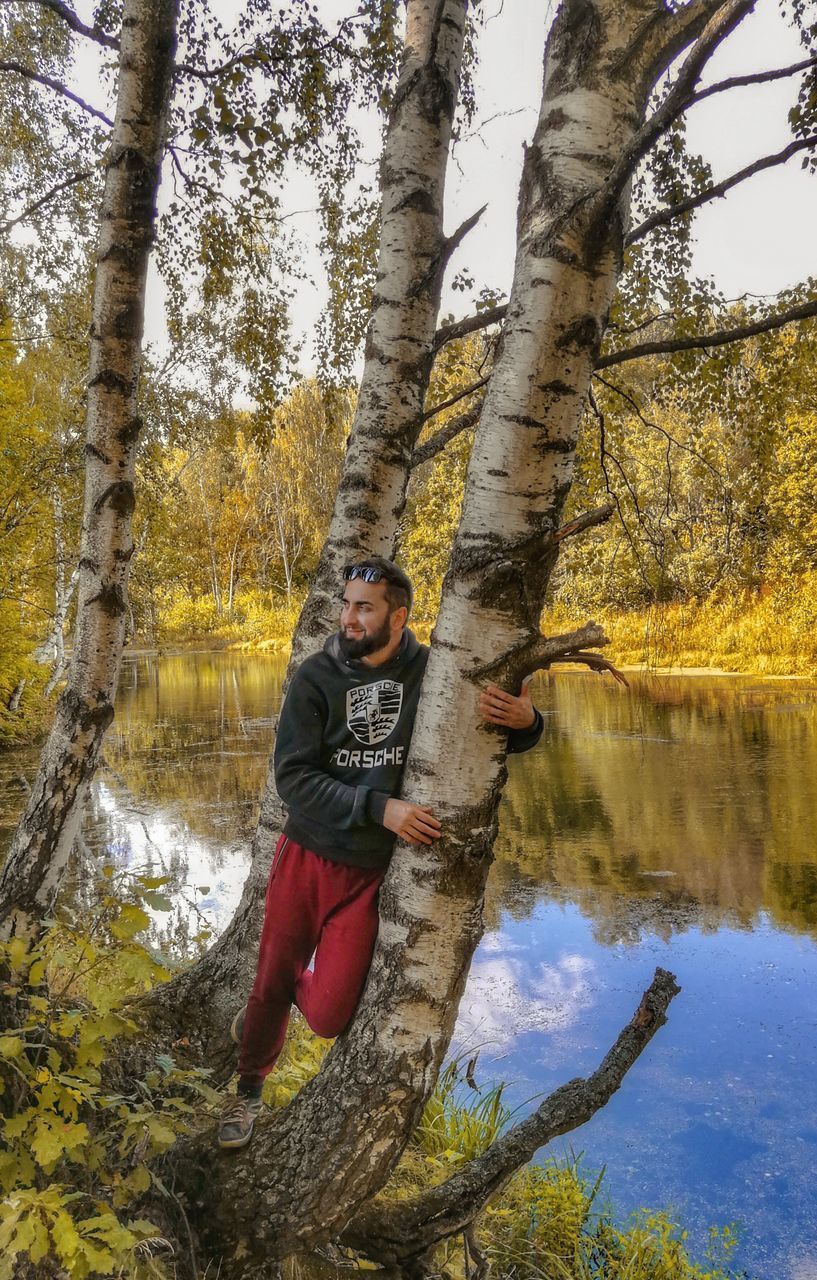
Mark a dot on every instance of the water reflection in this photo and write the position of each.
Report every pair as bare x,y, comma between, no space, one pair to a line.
672,824
684,801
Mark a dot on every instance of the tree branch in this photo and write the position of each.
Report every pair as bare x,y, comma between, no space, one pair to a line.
599,515
719,338
719,24
49,195
393,1233
460,395
430,448
663,216
461,328
74,22
57,86
540,652
757,77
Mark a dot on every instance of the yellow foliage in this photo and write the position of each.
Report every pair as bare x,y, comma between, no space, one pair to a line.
771,631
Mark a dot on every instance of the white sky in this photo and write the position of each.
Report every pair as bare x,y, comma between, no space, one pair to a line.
758,239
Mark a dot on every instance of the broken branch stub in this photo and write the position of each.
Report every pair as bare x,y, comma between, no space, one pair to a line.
540,652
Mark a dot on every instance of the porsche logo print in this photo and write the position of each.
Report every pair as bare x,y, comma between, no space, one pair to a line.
372,710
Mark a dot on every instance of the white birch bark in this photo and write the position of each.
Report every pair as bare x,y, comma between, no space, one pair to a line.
45,835
306,1173
399,354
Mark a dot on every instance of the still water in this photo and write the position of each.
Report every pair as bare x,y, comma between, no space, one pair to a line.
672,824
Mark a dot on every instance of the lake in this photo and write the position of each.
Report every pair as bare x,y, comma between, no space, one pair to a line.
669,824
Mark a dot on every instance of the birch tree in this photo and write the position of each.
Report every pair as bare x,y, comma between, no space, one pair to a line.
46,833
308,1174
400,349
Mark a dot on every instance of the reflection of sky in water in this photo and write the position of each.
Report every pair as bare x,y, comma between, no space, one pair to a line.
718,1119
207,874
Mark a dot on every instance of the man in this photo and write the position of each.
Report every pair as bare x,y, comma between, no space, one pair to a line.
343,739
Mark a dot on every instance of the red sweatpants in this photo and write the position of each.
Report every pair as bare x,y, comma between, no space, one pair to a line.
312,905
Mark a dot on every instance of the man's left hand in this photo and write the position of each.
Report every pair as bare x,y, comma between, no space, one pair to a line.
498,707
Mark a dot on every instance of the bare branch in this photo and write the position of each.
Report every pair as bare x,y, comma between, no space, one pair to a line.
599,515
455,399
456,238
247,58
461,328
58,87
758,77
702,341
74,22
44,200
539,654
663,216
430,448
656,426
722,21
396,1232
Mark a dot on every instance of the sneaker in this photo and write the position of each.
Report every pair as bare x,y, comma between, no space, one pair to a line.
237,1025
237,1119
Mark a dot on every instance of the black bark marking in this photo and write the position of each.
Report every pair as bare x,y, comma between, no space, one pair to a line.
523,420
128,434
127,321
581,335
554,445
363,512
93,452
557,388
354,481
112,381
556,118
495,471
418,199
111,599
120,497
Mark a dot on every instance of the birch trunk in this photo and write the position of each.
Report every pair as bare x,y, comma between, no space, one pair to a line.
371,495
306,1172
43,840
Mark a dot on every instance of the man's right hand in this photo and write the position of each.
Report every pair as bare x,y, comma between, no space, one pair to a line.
412,822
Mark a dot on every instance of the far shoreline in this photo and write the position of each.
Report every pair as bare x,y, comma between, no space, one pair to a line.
278,649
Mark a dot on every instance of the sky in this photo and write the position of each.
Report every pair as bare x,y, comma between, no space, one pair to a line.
759,239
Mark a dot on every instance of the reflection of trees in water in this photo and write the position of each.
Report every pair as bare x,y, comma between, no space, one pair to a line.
193,735
711,782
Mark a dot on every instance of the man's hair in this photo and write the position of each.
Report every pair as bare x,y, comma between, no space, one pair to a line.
399,591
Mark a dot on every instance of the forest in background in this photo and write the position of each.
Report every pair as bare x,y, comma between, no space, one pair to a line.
710,557
707,455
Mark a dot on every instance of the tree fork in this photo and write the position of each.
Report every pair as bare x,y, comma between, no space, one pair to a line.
371,495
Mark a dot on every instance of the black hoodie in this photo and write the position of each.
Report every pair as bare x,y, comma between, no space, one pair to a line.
343,739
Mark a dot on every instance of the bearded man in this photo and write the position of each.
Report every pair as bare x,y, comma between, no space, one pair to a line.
343,739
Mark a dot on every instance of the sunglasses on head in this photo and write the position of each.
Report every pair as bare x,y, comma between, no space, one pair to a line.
369,573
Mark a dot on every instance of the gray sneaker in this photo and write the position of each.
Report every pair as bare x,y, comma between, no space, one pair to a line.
237,1119
237,1025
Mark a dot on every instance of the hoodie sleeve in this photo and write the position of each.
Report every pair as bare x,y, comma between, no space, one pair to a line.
302,784
524,739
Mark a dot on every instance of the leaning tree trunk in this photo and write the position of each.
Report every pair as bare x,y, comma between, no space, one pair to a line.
371,494
43,840
308,1171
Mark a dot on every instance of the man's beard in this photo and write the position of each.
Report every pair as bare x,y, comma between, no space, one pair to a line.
366,644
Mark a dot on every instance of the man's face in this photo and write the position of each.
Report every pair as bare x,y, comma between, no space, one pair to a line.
366,624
